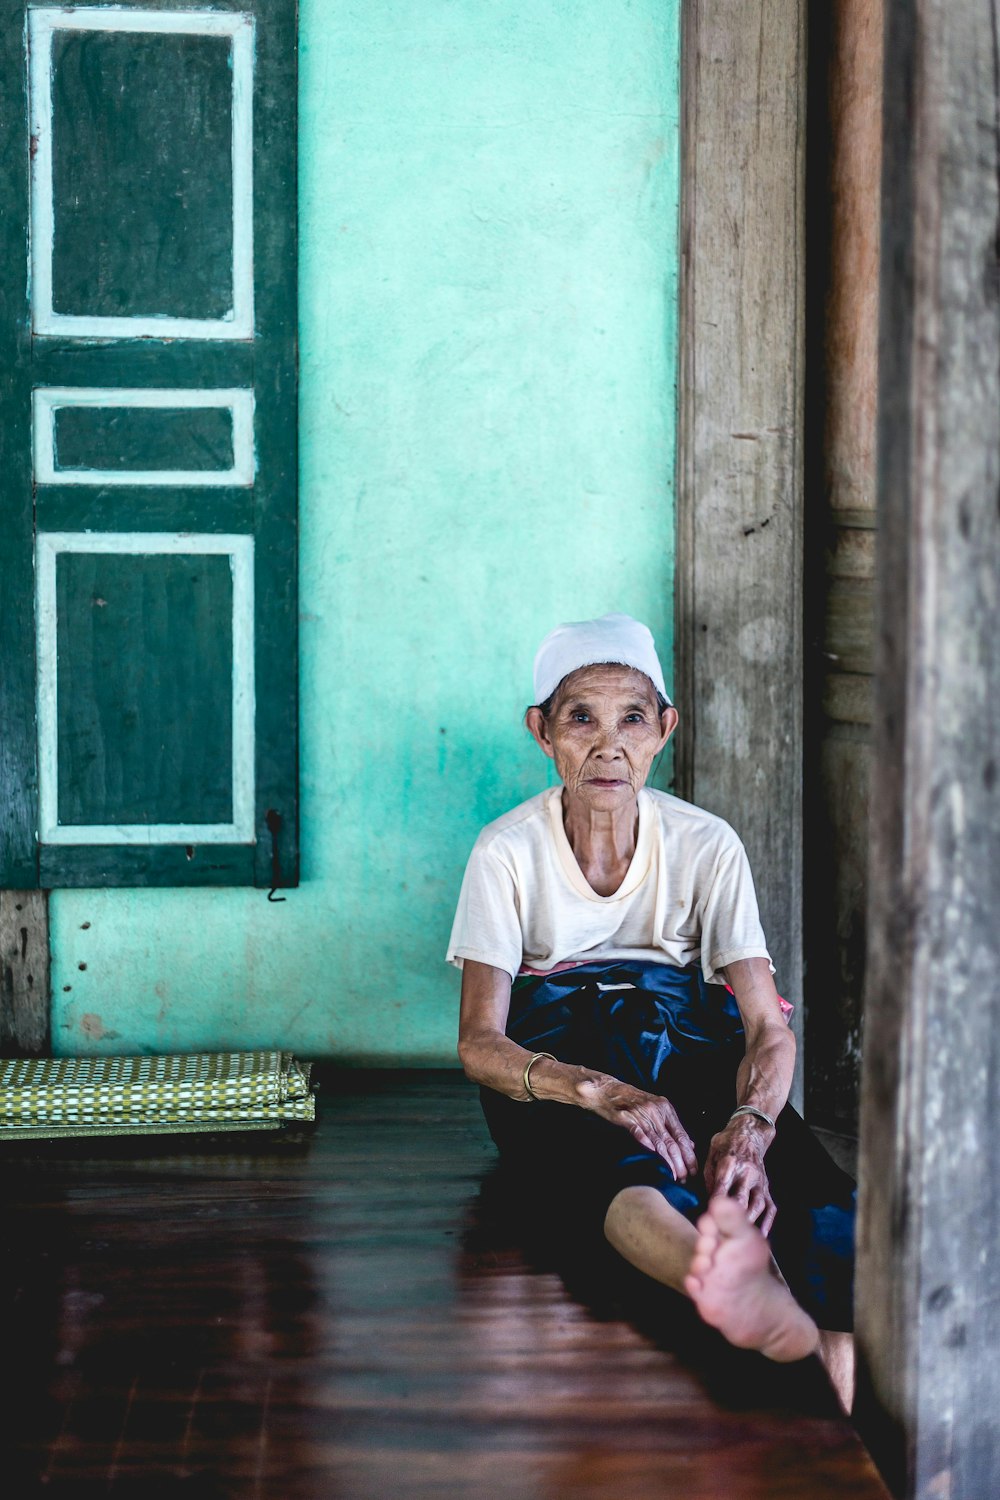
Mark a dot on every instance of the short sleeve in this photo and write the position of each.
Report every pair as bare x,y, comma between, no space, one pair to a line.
487,925
730,924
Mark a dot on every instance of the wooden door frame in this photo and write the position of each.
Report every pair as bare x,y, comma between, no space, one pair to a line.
928,1275
738,582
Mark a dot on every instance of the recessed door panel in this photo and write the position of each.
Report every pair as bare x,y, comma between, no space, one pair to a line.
142,168
142,175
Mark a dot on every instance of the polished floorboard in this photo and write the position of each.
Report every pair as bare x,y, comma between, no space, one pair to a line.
366,1310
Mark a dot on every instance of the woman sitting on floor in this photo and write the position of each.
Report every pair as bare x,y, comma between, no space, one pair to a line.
617,983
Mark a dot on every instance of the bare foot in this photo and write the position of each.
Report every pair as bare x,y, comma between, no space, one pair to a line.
731,1284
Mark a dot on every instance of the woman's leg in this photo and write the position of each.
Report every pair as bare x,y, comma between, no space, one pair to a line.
724,1265
651,1234
836,1350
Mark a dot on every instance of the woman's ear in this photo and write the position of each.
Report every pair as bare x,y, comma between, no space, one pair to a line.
538,729
669,719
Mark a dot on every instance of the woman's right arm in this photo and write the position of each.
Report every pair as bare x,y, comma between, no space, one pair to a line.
491,1058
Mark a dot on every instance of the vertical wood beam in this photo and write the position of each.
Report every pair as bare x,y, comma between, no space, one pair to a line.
851,356
929,1263
739,483
24,973
845,153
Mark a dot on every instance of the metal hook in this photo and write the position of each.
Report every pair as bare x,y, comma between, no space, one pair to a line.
273,821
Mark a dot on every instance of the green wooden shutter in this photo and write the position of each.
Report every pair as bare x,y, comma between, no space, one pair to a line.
148,673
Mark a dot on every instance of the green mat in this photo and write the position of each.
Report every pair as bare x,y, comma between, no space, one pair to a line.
81,1096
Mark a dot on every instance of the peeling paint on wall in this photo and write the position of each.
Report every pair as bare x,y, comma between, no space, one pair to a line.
94,1029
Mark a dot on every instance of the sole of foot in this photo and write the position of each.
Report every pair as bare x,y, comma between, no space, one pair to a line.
731,1284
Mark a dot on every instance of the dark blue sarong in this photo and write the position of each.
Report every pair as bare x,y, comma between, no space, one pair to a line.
665,1030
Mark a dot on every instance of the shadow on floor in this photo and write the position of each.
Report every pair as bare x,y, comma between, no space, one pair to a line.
544,1232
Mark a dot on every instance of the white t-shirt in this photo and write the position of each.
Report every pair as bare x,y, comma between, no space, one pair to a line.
688,896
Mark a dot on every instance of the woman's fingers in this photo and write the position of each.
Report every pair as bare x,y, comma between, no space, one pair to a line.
657,1127
671,1155
654,1135
664,1145
724,1171
686,1144
654,1123
762,1210
740,1189
757,1205
754,1194
672,1126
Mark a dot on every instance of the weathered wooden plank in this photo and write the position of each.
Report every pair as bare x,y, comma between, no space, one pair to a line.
24,973
847,39
848,699
851,553
849,605
845,44
18,772
929,1273
845,515
140,865
276,516
80,507
849,626
838,843
147,362
739,491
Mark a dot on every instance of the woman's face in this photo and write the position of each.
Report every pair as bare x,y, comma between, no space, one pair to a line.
603,733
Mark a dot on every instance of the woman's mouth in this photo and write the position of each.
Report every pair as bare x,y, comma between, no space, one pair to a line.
605,781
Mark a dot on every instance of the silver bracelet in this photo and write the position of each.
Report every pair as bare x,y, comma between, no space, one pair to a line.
751,1109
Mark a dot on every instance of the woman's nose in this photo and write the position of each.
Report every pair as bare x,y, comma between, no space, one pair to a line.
608,740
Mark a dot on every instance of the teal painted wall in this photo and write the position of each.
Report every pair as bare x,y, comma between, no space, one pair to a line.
488,220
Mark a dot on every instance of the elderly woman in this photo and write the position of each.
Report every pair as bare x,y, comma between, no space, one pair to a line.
619,1010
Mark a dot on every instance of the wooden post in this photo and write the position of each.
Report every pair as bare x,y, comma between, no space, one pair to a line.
929,1239
24,973
739,486
845,48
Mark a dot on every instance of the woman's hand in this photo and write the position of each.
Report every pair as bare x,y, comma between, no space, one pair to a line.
735,1169
648,1118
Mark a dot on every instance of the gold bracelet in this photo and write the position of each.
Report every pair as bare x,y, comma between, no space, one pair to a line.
535,1057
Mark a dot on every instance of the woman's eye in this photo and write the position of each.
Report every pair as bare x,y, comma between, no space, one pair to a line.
581,718
634,719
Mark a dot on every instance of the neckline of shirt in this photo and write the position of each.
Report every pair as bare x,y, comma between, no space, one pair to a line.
638,868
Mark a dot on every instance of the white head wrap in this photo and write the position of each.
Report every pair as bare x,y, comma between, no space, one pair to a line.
613,639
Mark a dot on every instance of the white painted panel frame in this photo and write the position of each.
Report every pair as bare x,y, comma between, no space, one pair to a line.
47,400
42,23
240,550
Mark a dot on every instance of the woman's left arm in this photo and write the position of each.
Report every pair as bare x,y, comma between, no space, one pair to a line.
735,1165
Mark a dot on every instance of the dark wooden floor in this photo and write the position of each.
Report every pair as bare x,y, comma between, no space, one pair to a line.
361,1312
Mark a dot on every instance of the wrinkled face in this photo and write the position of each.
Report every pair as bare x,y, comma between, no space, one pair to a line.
603,733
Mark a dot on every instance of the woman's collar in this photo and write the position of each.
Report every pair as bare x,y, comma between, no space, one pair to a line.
638,866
